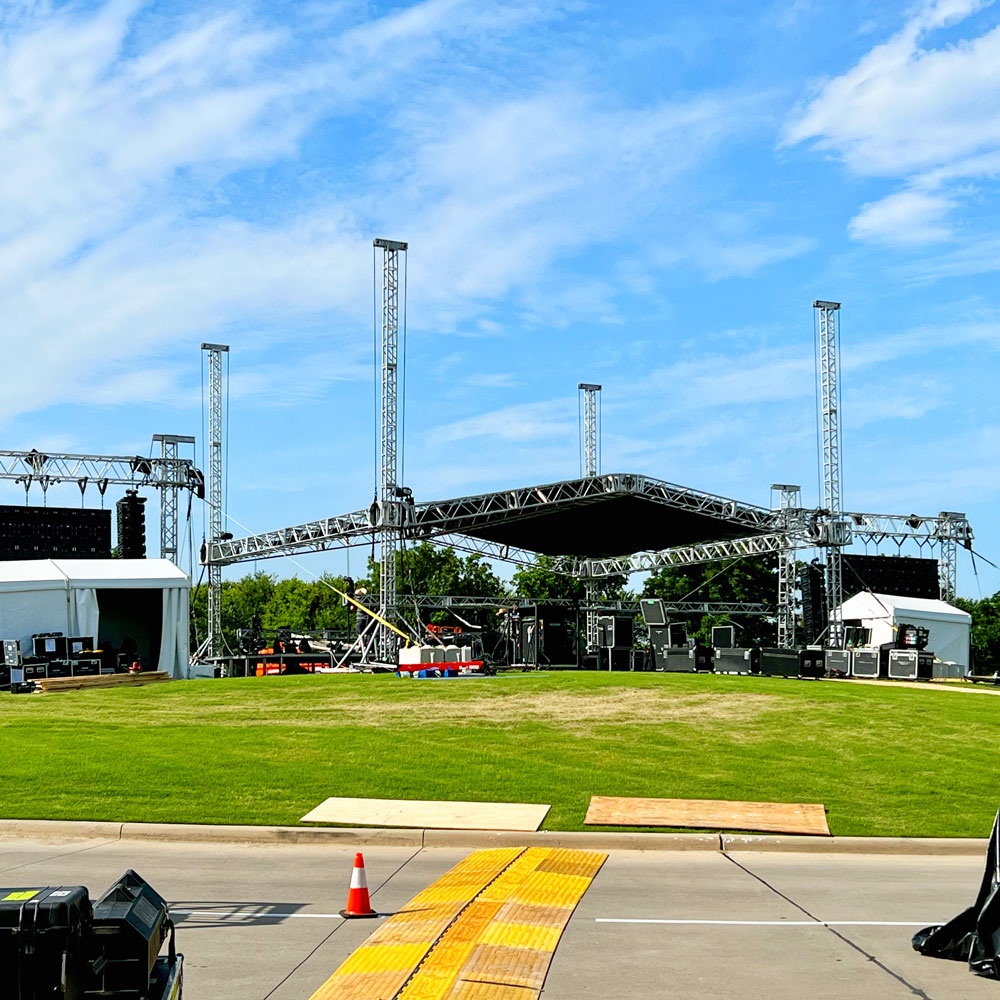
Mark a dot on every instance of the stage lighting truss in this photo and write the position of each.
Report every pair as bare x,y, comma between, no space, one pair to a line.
448,523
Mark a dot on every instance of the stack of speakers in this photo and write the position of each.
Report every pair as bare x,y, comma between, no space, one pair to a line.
131,526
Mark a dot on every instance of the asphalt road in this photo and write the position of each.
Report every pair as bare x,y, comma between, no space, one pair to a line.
262,922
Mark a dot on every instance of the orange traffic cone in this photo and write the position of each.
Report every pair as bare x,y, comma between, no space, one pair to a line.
358,903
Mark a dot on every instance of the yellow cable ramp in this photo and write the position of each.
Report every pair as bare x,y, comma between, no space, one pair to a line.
485,930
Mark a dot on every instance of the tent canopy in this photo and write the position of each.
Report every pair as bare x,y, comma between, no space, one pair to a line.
62,595
49,574
949,626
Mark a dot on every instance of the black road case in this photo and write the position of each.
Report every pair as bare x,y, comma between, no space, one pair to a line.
43,934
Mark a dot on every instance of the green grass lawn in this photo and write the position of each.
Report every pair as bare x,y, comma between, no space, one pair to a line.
885,760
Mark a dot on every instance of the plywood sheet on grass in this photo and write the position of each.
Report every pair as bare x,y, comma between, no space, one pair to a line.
709,814
523,817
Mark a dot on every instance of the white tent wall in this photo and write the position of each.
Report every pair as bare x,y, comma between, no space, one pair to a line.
83,612
20,613
949,627
174,637
49,595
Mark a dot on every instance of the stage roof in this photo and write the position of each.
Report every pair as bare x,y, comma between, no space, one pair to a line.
608,515
614,514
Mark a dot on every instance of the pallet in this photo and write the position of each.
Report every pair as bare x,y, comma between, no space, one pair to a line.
51,685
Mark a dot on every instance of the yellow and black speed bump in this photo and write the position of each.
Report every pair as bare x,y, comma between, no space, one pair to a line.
486,930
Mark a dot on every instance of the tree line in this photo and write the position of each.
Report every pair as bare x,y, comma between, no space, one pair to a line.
427,569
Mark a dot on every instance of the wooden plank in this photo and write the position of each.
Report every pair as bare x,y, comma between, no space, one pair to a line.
75,683
53,684
421,814
709,814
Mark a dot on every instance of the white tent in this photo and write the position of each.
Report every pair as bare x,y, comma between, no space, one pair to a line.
100,598
949,626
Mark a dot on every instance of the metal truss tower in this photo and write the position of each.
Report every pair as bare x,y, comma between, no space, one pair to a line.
590,435
590,455
215,467
828,378
169,517
790,500
952,528
390,496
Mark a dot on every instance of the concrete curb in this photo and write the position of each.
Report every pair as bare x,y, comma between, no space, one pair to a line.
957,846
586,839
57,829
333,835
473,839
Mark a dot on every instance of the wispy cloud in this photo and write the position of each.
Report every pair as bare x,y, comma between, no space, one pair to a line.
902,219
909,109
138,173
523,422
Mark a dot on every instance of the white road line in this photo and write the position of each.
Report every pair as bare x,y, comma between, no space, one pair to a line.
771,923
257,914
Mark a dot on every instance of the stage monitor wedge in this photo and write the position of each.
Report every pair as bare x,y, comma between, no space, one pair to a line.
653,612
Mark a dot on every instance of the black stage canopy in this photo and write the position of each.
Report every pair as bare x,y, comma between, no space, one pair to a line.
606,515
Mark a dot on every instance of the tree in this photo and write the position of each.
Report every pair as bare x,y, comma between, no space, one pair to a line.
298,604
431,569
751,579
985,638
541,583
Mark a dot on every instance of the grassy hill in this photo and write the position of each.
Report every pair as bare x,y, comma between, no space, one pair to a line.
886,760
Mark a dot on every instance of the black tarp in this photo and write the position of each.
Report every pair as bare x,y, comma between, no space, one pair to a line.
974,935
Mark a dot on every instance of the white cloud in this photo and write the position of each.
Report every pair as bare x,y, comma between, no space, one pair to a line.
126,237
743,258
523,422
528,180
912,109
493,380
904,107
905,218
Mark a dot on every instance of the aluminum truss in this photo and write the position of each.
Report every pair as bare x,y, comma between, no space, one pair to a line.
953,528
167,474
169,513
443,521
806,529
590,437
790,500
215,482
590,450
682,555
830,446
603,606
391,507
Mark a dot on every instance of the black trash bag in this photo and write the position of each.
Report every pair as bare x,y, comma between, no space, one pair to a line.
974,935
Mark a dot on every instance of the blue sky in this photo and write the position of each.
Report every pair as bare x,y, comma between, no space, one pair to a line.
644,195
